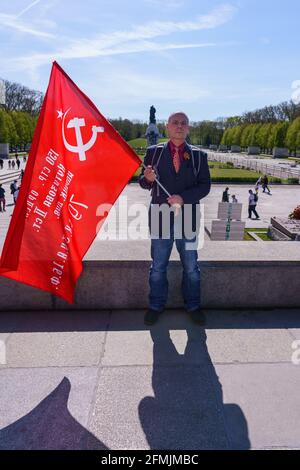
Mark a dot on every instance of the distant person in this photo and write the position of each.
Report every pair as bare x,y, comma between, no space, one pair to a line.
18,163
9,164
16,194
234,199
265,184
258,184
1,163
252,203
22,174
2,199
13,189
225,195
13,163
24,159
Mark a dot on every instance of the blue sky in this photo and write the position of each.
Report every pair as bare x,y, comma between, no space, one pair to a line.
208,58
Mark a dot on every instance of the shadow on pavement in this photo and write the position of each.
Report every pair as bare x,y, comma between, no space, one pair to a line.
97,320
187,411
49,426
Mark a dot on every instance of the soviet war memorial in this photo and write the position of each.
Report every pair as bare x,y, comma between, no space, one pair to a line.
149,229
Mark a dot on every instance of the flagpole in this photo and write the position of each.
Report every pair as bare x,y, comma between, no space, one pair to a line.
177,206
158,182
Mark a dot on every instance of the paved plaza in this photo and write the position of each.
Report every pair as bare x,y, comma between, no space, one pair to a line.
113,241
101,380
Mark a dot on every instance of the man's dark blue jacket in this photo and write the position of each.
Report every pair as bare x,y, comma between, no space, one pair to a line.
192,182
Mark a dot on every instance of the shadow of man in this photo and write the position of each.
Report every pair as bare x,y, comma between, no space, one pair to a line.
49,426
187,411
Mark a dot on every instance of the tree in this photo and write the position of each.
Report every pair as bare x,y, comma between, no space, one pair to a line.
280,134
293,136
232,121
229,136
253,135
13,135
245,137
21,98
237,135
272,137
226,137
206,133
4,130
8,132
262,136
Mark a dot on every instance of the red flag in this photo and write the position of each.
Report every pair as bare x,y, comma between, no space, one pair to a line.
77,162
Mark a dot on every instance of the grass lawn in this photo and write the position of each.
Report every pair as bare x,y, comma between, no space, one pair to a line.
264,235
21,154
141,142
232,173
221,171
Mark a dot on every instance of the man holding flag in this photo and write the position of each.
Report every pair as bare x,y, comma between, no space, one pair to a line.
178,176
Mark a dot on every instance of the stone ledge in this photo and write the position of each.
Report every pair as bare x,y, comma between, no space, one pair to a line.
124,285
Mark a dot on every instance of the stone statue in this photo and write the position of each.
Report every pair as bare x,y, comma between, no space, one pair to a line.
152,115
152,132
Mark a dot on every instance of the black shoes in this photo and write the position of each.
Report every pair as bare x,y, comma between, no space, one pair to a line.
151,316
198,316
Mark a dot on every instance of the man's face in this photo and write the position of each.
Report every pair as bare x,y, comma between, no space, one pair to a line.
178,126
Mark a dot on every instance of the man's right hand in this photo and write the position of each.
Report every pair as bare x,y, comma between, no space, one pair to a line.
149,174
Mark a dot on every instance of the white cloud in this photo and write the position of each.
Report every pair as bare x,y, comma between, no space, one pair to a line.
134,40
37,26
36,60
13,22
28,8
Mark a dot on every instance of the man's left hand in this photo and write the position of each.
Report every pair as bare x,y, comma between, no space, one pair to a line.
175,200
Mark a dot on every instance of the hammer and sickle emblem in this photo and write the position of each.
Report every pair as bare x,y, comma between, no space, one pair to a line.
81,148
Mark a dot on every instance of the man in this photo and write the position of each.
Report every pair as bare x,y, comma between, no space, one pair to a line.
258,184
16,194
253,198
2,199
225,195
13,189
183,171
265,184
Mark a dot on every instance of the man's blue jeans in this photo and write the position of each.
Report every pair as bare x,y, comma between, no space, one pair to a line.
190,285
